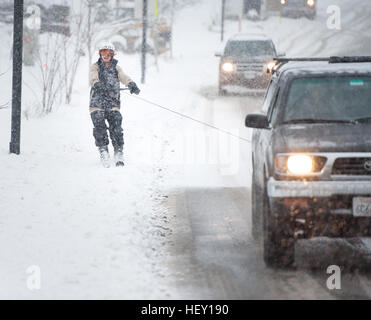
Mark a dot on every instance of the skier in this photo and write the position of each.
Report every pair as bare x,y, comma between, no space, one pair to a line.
104,77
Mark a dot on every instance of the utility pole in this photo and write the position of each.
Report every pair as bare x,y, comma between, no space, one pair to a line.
17,77
172,23
144,40
117,10
223,12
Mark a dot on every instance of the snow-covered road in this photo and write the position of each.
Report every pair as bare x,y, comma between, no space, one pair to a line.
214,254
123,233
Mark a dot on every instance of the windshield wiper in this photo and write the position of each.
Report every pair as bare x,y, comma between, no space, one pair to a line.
319,121
364,120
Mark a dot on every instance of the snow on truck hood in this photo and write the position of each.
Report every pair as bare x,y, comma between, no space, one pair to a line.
322,137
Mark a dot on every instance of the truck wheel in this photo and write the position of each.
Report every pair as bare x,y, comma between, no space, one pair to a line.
256,210
312,16
279,244
222,91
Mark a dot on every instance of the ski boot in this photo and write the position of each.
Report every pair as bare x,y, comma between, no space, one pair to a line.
119,158
104,156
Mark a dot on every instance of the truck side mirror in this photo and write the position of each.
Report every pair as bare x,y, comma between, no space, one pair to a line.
257,121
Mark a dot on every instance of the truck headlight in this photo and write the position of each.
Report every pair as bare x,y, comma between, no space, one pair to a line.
227,67
299,164
310,3
283,2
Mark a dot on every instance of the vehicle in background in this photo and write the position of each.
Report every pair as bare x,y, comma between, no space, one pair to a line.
311,154
244,62
125,9
6,12
55,19
128,37
240,8
299,8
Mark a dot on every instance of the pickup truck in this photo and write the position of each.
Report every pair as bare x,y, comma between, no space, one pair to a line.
311,154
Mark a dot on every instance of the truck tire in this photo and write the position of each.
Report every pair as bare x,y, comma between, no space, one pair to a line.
312,16
256,210
222,91
278,241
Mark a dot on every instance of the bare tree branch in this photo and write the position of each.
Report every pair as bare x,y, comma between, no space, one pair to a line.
5,105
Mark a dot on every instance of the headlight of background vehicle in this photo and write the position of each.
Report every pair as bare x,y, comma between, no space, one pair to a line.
299,164
283,2
227,67
310,3
270,66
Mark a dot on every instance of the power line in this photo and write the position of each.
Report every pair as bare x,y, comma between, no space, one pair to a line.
1,74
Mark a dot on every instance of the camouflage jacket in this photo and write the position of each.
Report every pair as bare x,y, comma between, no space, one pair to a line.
107,94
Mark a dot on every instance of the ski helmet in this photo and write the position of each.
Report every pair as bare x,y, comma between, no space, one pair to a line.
107,46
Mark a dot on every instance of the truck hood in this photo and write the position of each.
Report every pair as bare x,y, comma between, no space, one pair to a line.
239,59
323,137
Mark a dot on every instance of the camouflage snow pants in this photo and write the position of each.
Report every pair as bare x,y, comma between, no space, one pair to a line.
114,120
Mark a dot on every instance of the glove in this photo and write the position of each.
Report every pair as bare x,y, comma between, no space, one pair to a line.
133,88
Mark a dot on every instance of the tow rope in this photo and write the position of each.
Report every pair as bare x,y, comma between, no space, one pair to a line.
188,117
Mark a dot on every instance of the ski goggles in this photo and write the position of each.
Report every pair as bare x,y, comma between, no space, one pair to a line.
104,52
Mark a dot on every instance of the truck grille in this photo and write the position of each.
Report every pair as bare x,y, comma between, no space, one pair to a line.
244,67
295,2
352,166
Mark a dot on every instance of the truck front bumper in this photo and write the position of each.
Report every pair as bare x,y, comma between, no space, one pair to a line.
298,11
310,189
259,82
319,208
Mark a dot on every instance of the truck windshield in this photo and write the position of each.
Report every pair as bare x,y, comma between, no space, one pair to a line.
249,48
329,98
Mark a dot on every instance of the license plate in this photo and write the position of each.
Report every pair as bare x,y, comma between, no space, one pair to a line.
250,75
361,207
